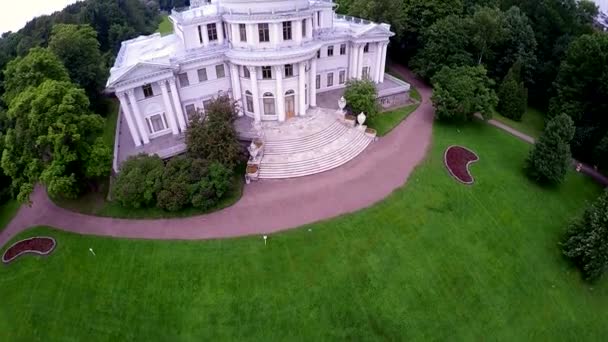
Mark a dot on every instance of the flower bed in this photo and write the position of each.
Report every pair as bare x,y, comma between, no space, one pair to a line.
457,160
35,245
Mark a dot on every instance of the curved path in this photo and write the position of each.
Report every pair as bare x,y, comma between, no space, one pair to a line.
269,206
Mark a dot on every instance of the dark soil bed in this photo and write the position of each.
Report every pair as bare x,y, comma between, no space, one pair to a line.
35,245
457,160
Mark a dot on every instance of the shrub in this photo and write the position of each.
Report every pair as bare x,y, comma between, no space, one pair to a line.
213,137
550,157
586,242
461,92
600,154
361,97
512,94
139,181
176,185
214,181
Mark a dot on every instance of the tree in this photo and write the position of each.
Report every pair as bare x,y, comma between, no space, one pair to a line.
361,97
487,30
177,184
461,92
139,181
600,153
213,137
30,71
445,43
512,94
77,47
586,242
53,139
550,158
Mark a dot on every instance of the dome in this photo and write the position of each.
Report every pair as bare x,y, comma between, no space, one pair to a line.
262,6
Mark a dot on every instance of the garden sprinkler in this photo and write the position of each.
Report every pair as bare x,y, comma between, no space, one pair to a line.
91,250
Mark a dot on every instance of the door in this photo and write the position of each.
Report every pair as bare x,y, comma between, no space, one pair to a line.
290,106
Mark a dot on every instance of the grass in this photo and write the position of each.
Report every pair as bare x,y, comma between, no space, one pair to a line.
532,123
436,260
384,122
165,27
7,212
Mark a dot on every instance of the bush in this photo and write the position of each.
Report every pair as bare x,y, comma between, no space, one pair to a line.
213,137
600,154
550,158
139,181
361,97
586,242
215,181
461,92
512,94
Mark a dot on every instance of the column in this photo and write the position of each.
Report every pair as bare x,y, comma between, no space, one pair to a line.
220,32
168,107
297,31
178,105
301,88
275,34
352,65
360,61
255,92
280,94
236,87
312,84
383,67
378,63
124,105
143,133
205,35
251,34
309,24
314,20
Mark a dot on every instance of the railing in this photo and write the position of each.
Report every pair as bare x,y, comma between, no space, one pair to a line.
353,19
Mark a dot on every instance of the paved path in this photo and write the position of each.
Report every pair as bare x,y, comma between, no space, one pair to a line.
269,206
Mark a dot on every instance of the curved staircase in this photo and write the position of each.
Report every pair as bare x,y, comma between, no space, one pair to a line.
323,150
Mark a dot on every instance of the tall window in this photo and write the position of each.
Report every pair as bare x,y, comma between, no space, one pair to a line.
207,104
266,72
202,75
243,32
366,48
183,80
148,92
269,104
212,32
220,72
330,79
342,77
343,49
288,70
318,81
366,73
249,101
287,30
156,123
200,34
264,32
304,33
330,51
190,111
318,54
246,72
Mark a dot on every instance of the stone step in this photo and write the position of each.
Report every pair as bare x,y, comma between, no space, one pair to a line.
306,143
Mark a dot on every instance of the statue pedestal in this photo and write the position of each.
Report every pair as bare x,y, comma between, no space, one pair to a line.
362,127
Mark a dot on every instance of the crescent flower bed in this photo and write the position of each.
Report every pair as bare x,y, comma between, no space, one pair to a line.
457,160
40,245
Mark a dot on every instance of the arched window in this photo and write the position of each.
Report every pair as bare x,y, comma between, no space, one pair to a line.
269,108
290,92
290,103
249,101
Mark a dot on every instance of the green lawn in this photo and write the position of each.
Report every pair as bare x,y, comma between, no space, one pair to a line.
7,211
384,122
437,260
165,27
532,123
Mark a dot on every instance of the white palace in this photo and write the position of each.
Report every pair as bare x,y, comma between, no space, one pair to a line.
275,57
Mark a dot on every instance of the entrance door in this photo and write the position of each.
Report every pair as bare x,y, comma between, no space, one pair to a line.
290,106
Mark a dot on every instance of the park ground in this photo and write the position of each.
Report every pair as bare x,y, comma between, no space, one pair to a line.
435,260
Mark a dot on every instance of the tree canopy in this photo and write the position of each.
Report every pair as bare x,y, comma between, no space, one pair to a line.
360,96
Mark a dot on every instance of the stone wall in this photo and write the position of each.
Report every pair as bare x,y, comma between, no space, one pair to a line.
394,100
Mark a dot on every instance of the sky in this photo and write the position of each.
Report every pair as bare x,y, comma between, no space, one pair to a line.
14,16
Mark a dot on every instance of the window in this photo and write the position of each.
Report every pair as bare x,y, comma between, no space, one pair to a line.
200,34
246,72
202,75
288,70
342,77
220,72
318,82
183,80
190,111
287,30
269,104
264,33
343,49
148,92
304,33
318,53
266,72
206,104
224,30
366,48
212,32
156,123
243,32
249,101
330,79
366,73
330,51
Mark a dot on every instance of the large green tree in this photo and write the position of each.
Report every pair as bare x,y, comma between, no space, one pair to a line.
54,139
461,92
512,94
487,30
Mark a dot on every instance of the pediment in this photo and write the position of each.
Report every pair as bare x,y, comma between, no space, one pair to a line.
375,31
138,71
